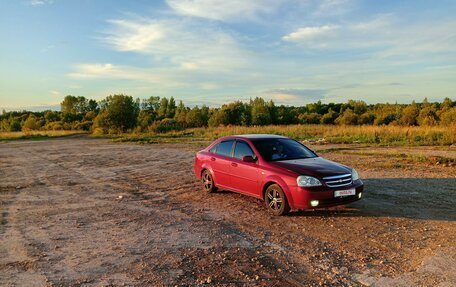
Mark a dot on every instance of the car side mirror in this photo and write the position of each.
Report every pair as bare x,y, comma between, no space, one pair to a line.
248,158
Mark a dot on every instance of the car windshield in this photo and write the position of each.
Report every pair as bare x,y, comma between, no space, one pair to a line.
275,149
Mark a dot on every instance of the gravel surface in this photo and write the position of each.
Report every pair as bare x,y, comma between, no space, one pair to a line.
89,212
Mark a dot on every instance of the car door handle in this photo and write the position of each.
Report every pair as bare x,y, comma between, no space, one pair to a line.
213,158
234,164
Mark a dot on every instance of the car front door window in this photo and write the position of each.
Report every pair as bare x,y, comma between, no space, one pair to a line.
243,149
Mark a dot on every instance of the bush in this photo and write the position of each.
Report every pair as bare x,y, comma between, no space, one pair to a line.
31,124
448,117
366,119
328,118
218,118
54,126
427,116
347,118
309,118
85,126
15,126
165,125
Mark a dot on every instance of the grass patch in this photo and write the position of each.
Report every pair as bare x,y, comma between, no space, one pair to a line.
36,135
407,157
372,135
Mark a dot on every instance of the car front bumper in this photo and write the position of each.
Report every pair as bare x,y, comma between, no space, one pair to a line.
302,198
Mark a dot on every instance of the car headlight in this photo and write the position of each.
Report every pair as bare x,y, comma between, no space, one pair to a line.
305,180
355,175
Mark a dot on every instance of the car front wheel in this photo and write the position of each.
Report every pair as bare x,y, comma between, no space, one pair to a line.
275,200
208,182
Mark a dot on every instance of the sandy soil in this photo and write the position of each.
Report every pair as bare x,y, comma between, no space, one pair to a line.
89,212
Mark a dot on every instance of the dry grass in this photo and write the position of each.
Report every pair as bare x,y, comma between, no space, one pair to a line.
378,135
37,134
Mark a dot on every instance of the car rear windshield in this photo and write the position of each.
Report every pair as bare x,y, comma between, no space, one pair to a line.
276,149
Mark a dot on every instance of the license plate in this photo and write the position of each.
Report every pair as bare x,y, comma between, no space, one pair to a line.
347,192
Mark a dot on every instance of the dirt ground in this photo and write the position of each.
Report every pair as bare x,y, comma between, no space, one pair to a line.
90,212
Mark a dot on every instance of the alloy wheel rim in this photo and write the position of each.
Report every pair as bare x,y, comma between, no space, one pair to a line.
207,181
274,199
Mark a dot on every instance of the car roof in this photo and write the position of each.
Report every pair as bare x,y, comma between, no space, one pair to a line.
259,136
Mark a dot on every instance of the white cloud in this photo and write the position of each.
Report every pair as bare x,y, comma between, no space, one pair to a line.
309,32
296,95
224,9
186,45
281,97
134,36
382,36
378,22
110,71
40,2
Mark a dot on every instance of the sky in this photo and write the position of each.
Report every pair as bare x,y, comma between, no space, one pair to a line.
217,51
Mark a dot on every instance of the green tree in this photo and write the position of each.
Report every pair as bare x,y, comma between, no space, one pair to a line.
31,123
309,118
448,117
409,115
260,113
181,113
219,117
348,117
77,105
205,114
51,116
144,120
194,118
285,115
386,113
163,108
447,104
272,111
317,107
427,116
119,113
69,105
92,106
366,118
329,117
14,125
238,113
358,107
171,108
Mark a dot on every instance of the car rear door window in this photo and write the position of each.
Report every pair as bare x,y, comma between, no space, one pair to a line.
213,149
242,149
224,148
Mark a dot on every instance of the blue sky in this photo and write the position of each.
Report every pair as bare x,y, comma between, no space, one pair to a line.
216,51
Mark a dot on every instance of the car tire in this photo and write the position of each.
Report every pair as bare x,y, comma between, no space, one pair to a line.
275,200
208,182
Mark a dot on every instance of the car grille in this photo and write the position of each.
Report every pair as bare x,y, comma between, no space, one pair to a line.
338,180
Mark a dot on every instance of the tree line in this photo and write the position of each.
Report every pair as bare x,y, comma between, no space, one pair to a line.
122,113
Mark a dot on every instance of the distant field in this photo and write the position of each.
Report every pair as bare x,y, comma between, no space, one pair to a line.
377,135
36,134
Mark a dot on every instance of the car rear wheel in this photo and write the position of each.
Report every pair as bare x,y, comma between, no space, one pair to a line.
208,182
275,200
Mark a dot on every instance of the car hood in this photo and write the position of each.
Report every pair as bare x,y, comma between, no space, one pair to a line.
316,166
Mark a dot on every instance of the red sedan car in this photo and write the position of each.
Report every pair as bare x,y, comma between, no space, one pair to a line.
279,170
